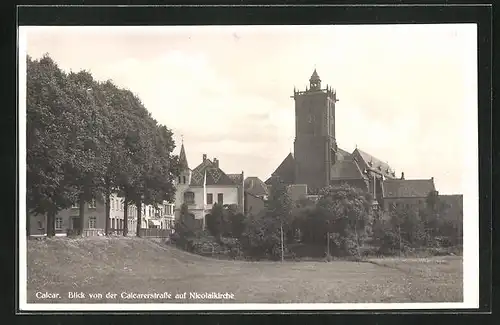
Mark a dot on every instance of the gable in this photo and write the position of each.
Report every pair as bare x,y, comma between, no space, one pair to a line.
214,175
254,186
285,171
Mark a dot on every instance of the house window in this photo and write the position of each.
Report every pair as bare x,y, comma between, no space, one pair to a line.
179,179
40,224
92,222
210,198
75,206
220,198
183,179
189,197
92,204
58,223
112,223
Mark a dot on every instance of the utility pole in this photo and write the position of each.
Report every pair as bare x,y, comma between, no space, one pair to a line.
327,244
282,245
399,233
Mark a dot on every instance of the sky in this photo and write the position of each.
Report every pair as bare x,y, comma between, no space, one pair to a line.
407,93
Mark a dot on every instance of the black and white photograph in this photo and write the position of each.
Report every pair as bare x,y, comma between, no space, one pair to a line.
250,167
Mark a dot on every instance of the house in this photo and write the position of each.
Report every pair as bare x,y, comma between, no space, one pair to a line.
406,193
454,207
256,194
200,188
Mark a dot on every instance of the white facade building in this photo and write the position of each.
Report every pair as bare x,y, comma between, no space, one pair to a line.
205,185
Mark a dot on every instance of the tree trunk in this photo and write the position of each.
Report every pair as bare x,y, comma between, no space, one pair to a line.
28,225
51,226
282,244
125,215
139,218
81,214
107,206
357,240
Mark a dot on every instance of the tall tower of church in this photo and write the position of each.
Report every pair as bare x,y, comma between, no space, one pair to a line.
315,146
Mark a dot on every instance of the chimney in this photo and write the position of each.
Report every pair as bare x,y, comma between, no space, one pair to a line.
216,162
204,157
402,175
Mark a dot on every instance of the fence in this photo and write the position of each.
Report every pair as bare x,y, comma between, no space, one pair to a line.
155,232
145,232
93,232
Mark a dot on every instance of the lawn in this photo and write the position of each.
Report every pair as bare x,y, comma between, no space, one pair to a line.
134,265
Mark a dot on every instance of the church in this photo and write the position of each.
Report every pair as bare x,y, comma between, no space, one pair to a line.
318,161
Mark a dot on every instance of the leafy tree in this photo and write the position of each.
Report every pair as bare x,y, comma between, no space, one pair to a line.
215,221
263,233
346,211
49,130
237,223
89,151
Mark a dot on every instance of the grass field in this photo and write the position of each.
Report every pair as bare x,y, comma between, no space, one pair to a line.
116,265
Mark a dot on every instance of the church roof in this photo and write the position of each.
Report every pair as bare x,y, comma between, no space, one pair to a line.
400,188
214,175
315,76
374,163
346,169
183,159
285,171
256,187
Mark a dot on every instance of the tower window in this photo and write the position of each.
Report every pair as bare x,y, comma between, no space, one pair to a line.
184,179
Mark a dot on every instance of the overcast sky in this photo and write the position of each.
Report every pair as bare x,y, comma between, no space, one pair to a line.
407,93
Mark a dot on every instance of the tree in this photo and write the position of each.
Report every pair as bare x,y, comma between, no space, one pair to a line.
347,212
237,223
215,221
89,152
50,113
264,234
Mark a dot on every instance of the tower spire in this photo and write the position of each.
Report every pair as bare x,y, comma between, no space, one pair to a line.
315,80
182,156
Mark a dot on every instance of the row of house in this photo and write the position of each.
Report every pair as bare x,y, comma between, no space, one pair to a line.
68,221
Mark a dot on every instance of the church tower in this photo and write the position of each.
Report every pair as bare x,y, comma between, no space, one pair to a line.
183,180
315,146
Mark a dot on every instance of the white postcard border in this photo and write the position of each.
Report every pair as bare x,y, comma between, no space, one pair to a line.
470,226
